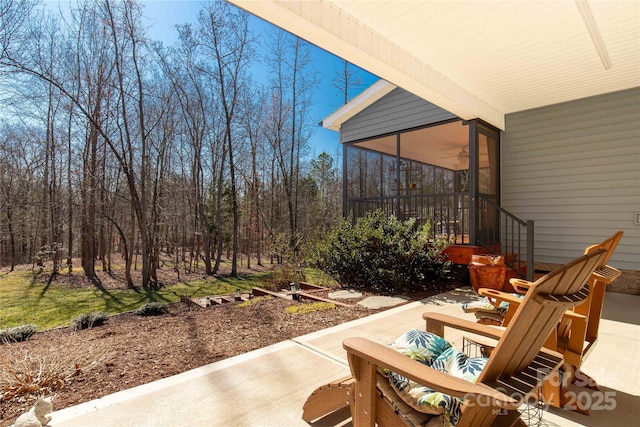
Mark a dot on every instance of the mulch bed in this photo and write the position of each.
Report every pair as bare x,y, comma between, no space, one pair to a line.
130,350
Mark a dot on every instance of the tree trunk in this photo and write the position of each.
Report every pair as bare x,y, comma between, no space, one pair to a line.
88,193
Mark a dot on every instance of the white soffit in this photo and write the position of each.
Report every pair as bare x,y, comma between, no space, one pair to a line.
476,59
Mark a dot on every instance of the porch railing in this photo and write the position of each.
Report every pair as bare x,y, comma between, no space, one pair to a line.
447,212
497,230
507,235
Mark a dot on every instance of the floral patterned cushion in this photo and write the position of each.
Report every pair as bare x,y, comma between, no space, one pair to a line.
421,346
437,353
486,312
484,305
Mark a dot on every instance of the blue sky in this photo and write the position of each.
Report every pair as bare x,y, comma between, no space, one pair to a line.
164,15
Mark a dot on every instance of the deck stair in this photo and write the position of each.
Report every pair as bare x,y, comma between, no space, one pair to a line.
512,238
208,301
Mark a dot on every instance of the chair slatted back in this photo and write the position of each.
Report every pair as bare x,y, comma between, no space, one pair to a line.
541,310
592,307
609,245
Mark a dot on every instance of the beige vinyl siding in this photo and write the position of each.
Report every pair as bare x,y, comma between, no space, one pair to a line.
574,169
396,111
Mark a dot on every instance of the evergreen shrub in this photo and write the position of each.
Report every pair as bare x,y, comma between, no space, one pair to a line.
17,333
89,320
152,309
382,253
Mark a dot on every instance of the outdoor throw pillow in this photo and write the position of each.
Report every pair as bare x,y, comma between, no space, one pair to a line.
437,353
424,347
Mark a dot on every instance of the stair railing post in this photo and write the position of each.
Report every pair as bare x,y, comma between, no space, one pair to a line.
530,251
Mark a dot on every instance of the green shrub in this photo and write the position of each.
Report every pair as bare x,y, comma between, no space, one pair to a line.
152,309
17,333
382,253
89,320
310,308
252,301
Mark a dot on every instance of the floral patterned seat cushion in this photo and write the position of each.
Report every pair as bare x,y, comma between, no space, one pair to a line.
437,353
484,310
484,305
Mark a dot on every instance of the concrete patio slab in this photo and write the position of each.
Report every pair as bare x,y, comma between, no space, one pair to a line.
268,387
385,326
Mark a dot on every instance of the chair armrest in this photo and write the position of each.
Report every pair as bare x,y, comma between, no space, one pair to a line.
607,274
572,315
382,356
437,321
499,296
521,286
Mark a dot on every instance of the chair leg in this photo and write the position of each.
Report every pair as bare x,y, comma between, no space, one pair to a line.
583,380
328,399
556,391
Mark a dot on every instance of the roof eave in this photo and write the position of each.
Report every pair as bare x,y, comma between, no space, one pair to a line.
324,25
364,100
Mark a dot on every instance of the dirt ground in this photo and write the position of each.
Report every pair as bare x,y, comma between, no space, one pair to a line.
130,350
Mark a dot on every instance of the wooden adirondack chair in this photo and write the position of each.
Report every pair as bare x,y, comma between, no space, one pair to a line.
577,332
513,372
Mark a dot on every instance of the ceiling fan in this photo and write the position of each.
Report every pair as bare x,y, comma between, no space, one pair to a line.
462,156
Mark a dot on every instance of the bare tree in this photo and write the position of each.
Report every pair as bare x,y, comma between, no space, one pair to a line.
18,172
288,123
142,149
225,38
346,80
254,179
121,124
14,16
194,97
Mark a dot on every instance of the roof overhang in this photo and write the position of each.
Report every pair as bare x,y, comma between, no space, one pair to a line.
357,104
476,59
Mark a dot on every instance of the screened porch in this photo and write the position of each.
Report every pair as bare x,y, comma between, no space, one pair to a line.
430,174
